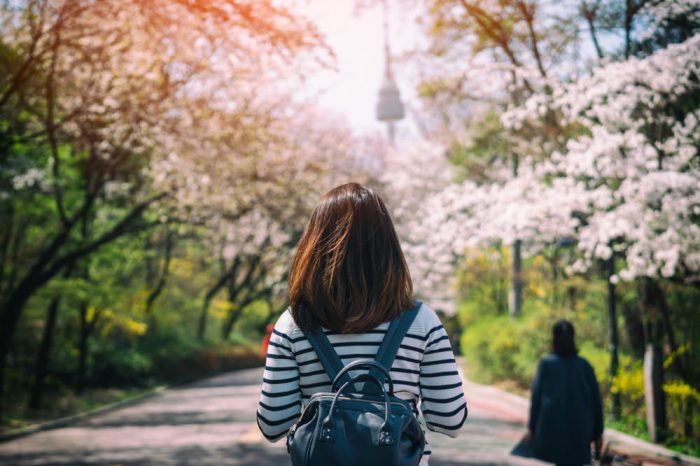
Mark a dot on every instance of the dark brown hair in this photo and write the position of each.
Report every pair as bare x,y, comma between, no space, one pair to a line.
563,342
349,273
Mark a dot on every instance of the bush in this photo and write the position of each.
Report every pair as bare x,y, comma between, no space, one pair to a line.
498,349
166,358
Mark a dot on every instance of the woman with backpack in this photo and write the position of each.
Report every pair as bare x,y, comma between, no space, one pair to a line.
566,413
351,313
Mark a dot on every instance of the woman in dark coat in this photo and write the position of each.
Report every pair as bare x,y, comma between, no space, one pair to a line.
566,414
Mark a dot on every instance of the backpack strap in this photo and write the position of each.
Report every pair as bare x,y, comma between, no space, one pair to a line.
386,353
393,338
329,359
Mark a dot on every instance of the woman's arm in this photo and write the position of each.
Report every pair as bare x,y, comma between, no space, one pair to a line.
597,404
536,398
442,398
280,400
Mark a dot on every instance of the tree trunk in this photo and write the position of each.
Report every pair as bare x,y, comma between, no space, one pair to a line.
688,417
628,27
571,297
515,298
42,361
164,271
634,328
653,363
654,393
679,361
9,222
226,275
590,15
82,350
612,324
10,315
230,322
202,326
3,361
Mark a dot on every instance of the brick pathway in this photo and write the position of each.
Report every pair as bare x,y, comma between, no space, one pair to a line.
211,423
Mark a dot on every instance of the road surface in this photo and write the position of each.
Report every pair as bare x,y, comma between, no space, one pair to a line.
212,423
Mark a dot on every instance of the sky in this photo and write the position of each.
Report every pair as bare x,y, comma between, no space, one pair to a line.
357,40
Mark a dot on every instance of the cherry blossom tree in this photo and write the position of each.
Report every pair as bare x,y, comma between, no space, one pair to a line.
634,168
415,180
606,147
90,95
253,227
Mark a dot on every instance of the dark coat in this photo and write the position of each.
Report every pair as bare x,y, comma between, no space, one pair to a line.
566,412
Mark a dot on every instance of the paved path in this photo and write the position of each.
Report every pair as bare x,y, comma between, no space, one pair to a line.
211,422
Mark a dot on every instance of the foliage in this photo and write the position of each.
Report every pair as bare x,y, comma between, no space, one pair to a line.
153,160
502,350
499,348
592,166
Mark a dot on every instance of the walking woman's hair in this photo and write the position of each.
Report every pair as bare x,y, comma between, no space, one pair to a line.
563,339
349,273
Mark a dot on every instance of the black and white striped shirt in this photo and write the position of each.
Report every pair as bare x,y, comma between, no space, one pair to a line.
424,372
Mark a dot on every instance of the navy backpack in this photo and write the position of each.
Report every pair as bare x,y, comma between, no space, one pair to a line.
359,421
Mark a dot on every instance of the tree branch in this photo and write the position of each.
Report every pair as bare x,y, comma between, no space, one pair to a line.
494,30
529,17
223,278
165,271
590,14
19,76
51,128
5,243
123,227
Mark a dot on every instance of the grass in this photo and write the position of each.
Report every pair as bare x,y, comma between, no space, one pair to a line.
689,447
59,405
637,428
60,401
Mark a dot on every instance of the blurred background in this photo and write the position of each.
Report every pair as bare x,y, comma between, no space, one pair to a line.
159,160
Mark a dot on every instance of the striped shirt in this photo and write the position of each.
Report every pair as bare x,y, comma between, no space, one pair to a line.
424,372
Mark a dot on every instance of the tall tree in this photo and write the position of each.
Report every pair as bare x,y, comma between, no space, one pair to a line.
90,92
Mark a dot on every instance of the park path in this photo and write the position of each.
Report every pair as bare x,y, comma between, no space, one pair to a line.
211,422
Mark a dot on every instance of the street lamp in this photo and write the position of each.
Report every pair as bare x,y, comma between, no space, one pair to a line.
389,107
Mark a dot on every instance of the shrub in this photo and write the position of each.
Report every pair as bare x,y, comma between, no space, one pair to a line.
498,348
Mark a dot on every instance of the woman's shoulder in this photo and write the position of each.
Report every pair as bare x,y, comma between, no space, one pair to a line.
286,326
583,362
426,321
549,359
555,359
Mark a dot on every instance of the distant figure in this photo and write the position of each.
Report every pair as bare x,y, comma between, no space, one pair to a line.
566,414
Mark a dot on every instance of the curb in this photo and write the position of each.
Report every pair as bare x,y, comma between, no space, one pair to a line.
614,437
65,421
68,420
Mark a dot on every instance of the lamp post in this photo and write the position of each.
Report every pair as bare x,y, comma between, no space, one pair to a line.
389,109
